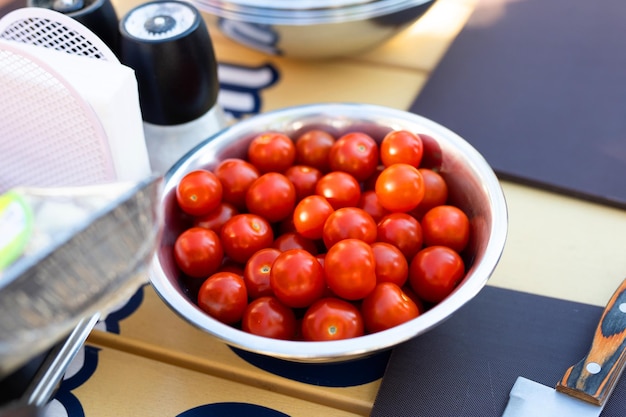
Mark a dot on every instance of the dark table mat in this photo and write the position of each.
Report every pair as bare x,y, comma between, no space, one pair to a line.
539,88
467,366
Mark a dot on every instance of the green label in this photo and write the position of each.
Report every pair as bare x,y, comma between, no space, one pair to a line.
16,224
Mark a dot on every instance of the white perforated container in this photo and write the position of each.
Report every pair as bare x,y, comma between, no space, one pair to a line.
50,29
69,111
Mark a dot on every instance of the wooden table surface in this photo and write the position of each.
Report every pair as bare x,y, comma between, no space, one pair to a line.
146,361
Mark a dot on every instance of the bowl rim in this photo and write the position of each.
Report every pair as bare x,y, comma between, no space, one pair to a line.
250,12
300,4
306,351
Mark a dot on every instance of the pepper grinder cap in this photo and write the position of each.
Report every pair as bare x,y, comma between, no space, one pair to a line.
168,45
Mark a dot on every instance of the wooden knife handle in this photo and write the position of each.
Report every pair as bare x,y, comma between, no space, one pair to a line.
593,378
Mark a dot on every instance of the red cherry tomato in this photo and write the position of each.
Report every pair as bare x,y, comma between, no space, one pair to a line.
370,183
350,269
223,296
268,317
447,226
198,252
401,147
310,215
403,231
271,152
216,218
435,272
199,192
236,175
285,226
369,202
411,294
245,234
435,192
304,178
297,278
256,273
271,196
321,258
332,319
400,188
348,222
231,266
355,153
391,264
293,240
312,149
340,189
387,306
433,156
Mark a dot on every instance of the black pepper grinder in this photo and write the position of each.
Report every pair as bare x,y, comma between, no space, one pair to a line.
168,45
97,15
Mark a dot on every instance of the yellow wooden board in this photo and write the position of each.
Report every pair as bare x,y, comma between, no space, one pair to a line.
561,246
302,82
125,384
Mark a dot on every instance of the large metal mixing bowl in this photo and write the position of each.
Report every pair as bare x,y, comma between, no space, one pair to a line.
312,29
474,187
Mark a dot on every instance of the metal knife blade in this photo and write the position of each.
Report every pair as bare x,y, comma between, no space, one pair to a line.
585,386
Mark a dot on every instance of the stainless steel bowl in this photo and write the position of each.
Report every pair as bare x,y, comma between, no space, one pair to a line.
474,187
312,29
87,252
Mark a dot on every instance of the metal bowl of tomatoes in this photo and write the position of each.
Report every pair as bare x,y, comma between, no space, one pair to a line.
303,248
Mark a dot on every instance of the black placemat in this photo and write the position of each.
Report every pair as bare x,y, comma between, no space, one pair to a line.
539,88
467,366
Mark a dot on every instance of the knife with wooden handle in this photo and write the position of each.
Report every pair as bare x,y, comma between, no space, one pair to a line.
585,386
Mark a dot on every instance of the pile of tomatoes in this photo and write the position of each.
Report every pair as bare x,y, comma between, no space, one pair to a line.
319,237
